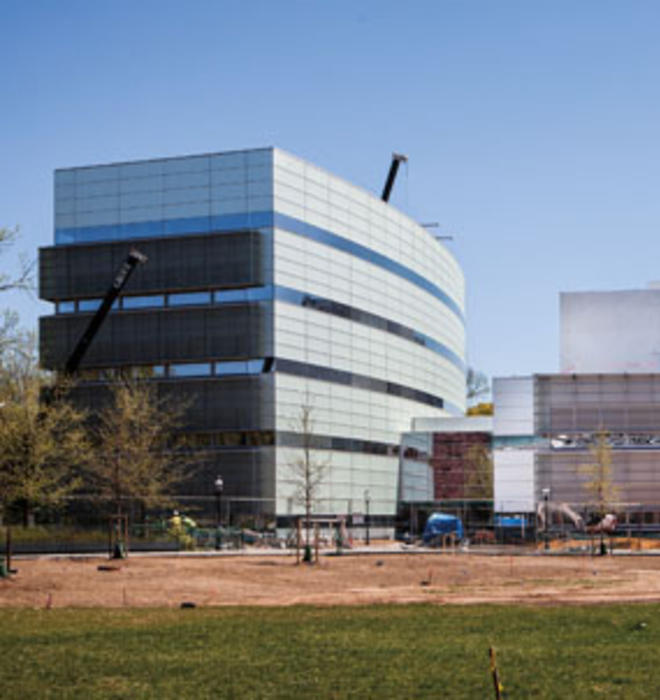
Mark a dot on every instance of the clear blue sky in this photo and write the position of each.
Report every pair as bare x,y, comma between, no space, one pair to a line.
531,127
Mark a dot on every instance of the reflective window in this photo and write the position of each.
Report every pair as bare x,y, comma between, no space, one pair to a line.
239,367
141,169
89,304
255,366
228,295
361,381
66,307
143,302
151,229
189,298
175,180
260,293
225,296
185,164
193,369
93,304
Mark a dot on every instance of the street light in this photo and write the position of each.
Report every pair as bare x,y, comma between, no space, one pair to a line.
546,496
366,509
219,486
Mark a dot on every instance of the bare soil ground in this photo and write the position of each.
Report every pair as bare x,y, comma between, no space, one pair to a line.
347,580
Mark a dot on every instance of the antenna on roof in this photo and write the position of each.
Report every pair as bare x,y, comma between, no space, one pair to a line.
437,236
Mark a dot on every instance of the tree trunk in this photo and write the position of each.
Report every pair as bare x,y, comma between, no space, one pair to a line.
28,514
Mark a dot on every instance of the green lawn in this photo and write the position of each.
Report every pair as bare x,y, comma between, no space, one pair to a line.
414,651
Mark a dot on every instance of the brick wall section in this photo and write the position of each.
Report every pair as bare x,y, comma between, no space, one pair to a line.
449,459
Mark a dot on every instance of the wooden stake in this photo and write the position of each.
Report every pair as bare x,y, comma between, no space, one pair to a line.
316,543
8,549
496,676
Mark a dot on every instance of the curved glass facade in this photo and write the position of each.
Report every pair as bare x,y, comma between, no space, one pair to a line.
353,309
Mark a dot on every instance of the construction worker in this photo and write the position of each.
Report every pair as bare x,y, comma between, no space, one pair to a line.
176,524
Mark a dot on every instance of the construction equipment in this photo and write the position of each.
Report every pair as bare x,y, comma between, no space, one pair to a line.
563,509
397,158
133,259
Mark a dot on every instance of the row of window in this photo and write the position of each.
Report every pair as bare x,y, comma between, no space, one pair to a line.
225,184
246,160
182,369
298,369
267,293
366,318
361,381
164,227
265,438
245,220
130,303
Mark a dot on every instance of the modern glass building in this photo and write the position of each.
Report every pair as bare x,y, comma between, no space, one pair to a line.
271,285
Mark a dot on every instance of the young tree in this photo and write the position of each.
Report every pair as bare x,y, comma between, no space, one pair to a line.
137,457
479,473
307,470
599,486
43,446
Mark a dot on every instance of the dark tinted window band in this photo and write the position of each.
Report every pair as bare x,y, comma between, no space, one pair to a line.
232,439
336,376
331,442
292,296
251,220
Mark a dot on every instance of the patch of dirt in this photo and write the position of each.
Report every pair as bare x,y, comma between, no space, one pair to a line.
348,580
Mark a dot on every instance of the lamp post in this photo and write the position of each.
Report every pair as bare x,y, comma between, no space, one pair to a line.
219,486
546,496
366,516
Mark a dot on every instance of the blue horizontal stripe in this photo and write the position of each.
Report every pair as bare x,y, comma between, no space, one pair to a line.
360,251
245,220
163,227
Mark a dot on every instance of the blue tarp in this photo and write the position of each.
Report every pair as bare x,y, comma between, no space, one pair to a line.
440,524
510,521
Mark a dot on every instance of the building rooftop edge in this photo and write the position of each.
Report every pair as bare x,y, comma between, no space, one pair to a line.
163,158
274,149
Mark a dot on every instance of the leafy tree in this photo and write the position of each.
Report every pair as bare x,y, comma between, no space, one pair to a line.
481,409
479,473
306,470
599,486
138,457
43,446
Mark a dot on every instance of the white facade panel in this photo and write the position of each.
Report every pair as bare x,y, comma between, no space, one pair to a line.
336,274
513,482
467,424
591,337
513,400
